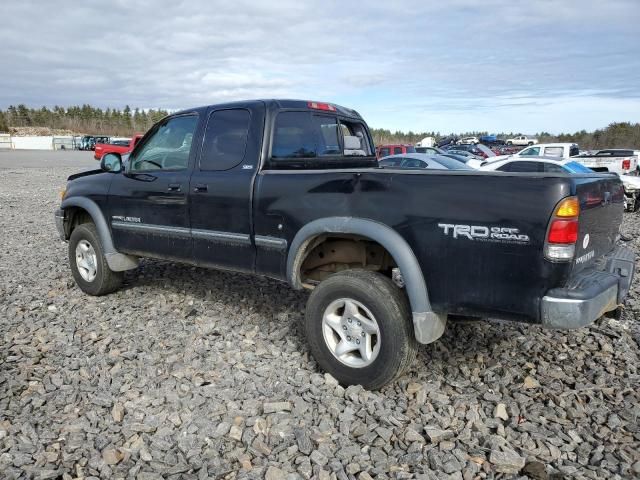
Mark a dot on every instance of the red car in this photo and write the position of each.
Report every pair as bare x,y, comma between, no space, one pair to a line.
116,147
394,149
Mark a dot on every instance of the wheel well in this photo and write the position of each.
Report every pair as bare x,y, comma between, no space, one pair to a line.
330,253
76,216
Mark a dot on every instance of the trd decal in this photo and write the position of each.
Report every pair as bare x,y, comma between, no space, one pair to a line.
484,233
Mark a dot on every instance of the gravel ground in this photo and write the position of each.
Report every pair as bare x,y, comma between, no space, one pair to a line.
190,373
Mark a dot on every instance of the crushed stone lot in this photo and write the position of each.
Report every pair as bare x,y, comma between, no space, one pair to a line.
193,373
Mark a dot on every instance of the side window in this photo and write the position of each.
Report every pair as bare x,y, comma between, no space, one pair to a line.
552,168
391,162
293,136
397,150
355,138
530,152
169,146
505,168
225,139
414,163
526,167
385,152
553,151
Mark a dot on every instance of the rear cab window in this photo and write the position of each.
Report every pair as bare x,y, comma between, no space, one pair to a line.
554,152
309,139
225,139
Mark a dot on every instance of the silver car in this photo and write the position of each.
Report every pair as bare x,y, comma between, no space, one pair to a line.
422,161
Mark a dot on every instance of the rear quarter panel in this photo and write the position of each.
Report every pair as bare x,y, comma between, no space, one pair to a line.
464,276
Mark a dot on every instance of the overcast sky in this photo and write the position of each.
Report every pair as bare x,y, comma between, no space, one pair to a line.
458,65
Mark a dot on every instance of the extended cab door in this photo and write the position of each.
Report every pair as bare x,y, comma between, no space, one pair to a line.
222,188
148,203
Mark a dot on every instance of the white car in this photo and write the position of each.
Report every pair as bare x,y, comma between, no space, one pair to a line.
536,165
555,150
619,160
522,140
469,141
631,192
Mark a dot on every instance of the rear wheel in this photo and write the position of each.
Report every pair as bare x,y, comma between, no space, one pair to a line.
359,329
88,263
509,143
530,143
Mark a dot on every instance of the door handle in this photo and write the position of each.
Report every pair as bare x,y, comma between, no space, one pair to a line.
174,187
200,187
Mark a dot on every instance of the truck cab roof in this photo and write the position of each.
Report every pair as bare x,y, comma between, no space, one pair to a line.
282,104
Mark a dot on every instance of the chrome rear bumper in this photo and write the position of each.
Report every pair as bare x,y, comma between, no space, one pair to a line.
591,295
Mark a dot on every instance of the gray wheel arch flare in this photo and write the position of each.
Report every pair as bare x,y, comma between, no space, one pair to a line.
428,325
117,261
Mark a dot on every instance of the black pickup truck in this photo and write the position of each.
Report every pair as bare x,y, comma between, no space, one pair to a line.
292,190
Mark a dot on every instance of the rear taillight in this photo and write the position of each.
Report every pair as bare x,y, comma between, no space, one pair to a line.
563,231
626,164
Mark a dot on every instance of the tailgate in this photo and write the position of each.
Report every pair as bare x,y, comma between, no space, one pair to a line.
601,209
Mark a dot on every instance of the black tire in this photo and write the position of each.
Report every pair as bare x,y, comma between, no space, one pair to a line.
529,144
106,280
509,143
389,307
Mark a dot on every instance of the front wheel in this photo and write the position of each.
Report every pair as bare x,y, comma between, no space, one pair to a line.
509,143
88,263
359,329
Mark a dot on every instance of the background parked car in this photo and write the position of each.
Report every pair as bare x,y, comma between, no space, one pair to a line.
422,161
430,150
618,160
469,141
505,149
536,164
473,161
450,140
555,150
522,140
491,140
464,159
481,151
394,149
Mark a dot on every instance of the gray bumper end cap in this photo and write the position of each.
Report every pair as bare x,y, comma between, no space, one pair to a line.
428,326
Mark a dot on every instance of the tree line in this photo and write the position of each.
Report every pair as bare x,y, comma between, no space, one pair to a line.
125,122
83,119
615,135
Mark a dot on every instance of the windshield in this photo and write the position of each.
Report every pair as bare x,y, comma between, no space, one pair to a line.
575,167
450,163
460,158
486,150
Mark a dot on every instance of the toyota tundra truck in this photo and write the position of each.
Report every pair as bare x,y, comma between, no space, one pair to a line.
292,190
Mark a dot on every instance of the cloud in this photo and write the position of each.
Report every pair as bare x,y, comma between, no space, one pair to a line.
409,64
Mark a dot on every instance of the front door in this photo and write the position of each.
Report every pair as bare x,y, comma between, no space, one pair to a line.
148,203
221,188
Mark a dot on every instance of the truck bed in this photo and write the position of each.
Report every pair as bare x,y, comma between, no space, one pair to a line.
465,276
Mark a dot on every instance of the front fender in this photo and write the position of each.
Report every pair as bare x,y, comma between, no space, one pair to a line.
117,261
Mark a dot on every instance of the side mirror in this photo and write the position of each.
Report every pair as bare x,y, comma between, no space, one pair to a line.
111,162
